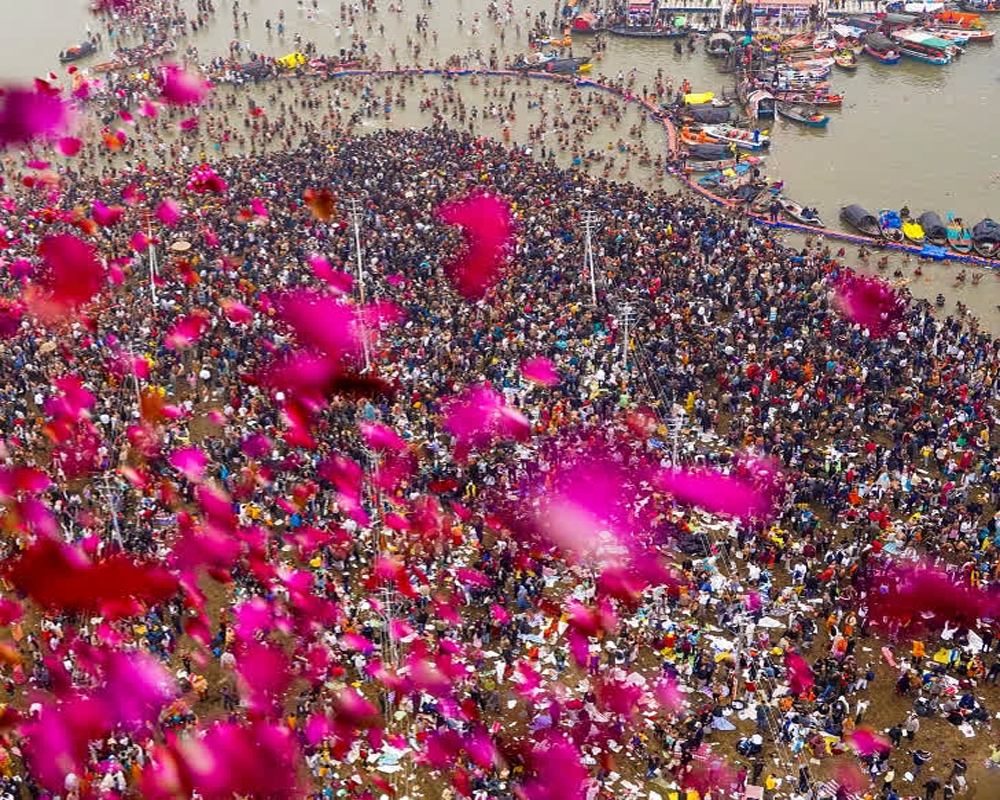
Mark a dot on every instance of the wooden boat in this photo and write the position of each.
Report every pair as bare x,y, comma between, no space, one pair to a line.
861,220
913,231
801,41
642,32
960,38
959,237
956,19
77,52
811,98
890,224
808,64
924,47
709,151
747,140
981,36
846,60
978,8
761,203
934,229
719,179
690,137
986,238
796,212
719,44
721,164
760,104
881,48
803,114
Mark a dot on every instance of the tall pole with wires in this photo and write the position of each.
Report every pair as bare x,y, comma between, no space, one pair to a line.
626,316
355,209
153,266
590,224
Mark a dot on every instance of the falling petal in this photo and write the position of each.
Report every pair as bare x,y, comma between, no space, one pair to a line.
181,88
540,370
169,212
27,115
871,303
488,226
190,462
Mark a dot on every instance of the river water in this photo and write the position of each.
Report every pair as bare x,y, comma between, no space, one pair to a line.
913,134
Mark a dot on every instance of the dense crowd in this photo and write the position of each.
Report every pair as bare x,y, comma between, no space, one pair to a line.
888,444
359,601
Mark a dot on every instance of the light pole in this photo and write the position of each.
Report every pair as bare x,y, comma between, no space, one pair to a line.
355,210
590,224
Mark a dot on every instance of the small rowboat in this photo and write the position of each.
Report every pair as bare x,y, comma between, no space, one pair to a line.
986,238
881,48
812,97
934,229
797,212
803,114
913,231
890,224
747,140
862,220
808,64
959,237
846,60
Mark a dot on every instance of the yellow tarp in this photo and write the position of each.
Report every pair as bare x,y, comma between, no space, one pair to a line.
698,98
292,60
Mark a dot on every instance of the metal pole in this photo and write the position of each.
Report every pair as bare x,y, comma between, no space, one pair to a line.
152,260
625,313
589,217
355,211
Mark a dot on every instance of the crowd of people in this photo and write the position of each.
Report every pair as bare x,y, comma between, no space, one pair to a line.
353,585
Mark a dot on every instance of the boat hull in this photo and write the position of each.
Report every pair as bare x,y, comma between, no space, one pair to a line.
882,57
939,61
642,34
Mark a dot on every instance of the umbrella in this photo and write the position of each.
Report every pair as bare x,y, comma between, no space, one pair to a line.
180,247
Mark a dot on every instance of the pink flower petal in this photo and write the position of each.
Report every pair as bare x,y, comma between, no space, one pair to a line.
540,370
800,674
189,461
169,212
70,145
479,416
181,88
27,115
715,492
73,273
106,216
871,303
488,226
187,330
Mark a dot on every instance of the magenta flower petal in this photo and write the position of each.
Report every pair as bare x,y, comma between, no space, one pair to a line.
479,416
190,462
169,212
73,273
715,492
488,226
181,88
871,303
540,370
27,115
800,674
70,145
